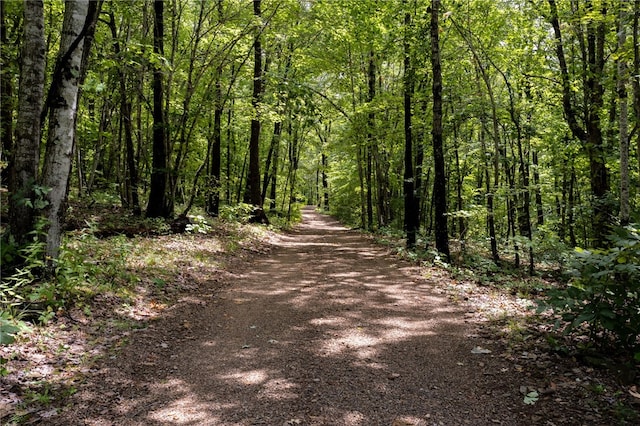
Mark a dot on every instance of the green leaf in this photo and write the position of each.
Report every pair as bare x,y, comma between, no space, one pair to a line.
531,398
7,332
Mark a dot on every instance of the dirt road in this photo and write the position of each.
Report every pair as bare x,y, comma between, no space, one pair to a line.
326,329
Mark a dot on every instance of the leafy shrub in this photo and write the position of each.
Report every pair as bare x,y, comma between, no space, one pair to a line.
603,298
198,225
239,212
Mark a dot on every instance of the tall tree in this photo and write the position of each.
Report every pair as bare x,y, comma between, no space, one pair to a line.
253,182
411,207
590,133
80,18
159,205
24,167
127,122
439,181
623,120
6,97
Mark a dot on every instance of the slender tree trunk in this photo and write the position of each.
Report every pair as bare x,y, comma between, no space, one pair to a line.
490,210
411,210
230,152
274,147
538,190
439,181
371,120
158,205
571,207
363,210
6,100
274,181
635,82
125,114
325,183
24,168
294,158
623,120
105,116
462,228
216,150
253,182
370,188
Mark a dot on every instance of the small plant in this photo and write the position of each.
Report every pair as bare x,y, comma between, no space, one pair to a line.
16,285
603,298
198,225
9,328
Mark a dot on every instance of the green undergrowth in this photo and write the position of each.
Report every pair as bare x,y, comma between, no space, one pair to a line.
590,296
114,257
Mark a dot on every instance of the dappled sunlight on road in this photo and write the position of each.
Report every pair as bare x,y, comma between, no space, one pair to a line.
326,329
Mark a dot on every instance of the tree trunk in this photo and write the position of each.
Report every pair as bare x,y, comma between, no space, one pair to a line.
325,183
490,210
591,135
462,228
370,188
371,122
158,205
125,114
363,210
571,207
80,18
253,182
411,210
623,120
6,100
274,146
439,181
216,151
635,82
24,167
538,190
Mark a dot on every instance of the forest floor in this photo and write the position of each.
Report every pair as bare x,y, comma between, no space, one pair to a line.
316,326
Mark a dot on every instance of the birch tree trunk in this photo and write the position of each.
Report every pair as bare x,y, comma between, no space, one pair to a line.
24,171
78,25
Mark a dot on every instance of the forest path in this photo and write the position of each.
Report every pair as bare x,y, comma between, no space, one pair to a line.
327,329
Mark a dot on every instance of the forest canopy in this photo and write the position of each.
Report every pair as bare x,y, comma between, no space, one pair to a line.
508,125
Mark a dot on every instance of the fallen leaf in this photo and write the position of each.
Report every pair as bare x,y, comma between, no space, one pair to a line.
480,350
531,398
633,392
